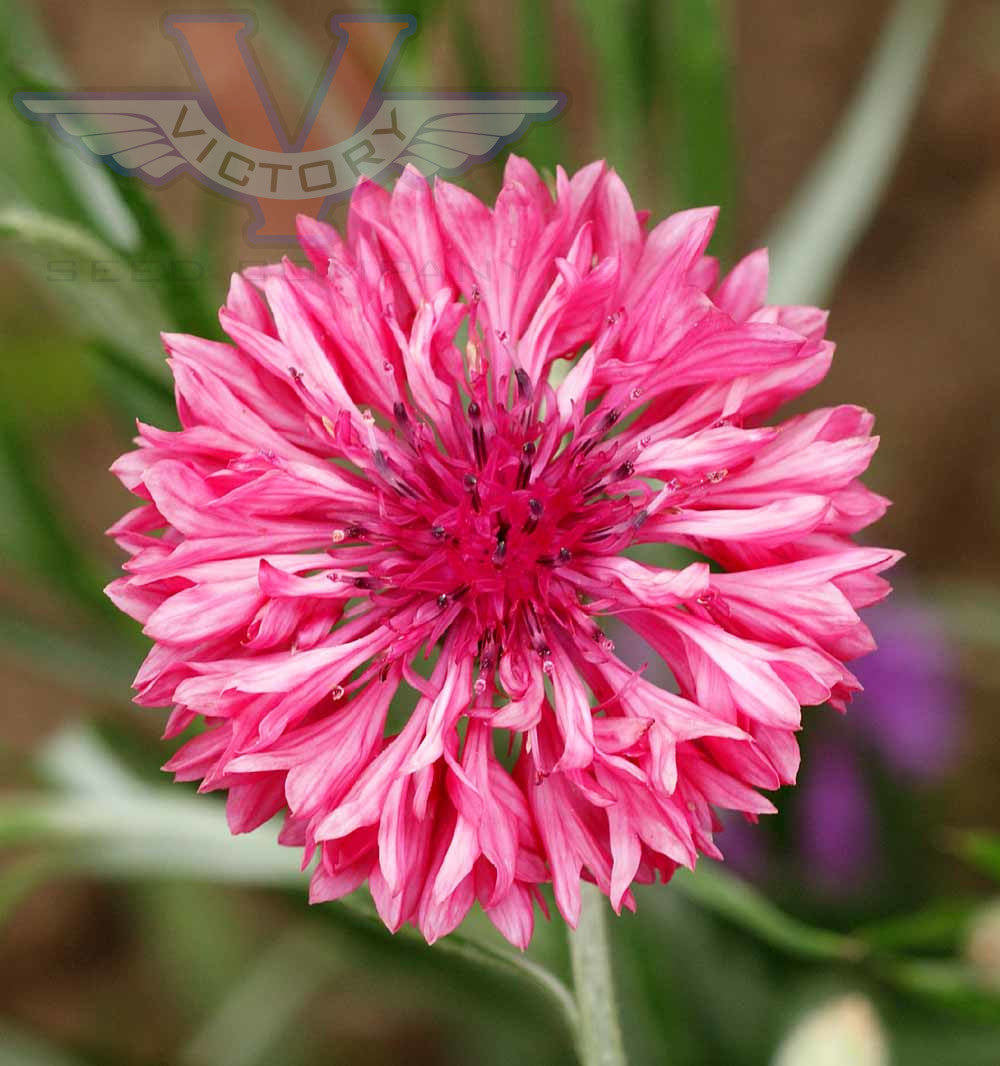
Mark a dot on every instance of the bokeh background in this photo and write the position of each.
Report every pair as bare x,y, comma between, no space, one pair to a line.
862,141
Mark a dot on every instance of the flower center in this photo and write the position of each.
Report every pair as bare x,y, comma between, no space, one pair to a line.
489,518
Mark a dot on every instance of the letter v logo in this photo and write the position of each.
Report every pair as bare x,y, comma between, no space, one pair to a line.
227,133
216,50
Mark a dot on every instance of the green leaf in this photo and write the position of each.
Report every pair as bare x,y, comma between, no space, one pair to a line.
819,229
135,392
93,285
153,836
947,984
545,143
38,168
697,65
738,902
937,927
111,825
152,250
249,1025
981,850
621,93
201,943
179,275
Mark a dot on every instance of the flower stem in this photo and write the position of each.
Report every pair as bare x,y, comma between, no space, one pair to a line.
599,1037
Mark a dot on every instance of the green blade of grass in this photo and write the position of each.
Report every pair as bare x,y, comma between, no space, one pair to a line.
740,903
697,66
620,91
817,231
981,850
38,169
90,283
110,824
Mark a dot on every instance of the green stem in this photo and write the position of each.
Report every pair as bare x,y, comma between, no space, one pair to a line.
599,1037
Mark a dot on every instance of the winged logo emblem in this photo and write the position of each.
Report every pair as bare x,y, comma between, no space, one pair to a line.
155,139
159,136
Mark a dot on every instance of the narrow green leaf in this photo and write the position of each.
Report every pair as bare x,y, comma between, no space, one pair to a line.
619,91
738,902
299,55
112,825
91,283
155,255
201,943
817,231
944,983
938,927
177,273
130,386
545,143
262,1005
697,65
981,850
39,169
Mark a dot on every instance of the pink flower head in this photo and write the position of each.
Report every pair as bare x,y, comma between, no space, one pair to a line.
376,559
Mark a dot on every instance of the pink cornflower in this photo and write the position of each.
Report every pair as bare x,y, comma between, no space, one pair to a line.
376,559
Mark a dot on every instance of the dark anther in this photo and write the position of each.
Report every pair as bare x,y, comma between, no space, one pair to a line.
524,467
478,434
584,448
488,652
399,411
500,554
611,418
438,532
364,583
356,532
534,514
442,600
565,555
471,483
627,469
524,387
